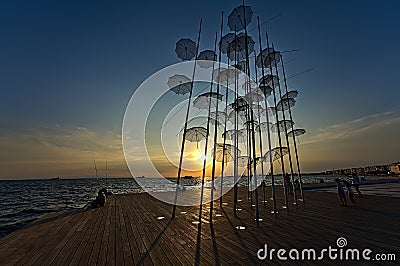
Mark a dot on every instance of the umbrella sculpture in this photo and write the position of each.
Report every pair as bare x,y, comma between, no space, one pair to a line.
196,134
271,111
285,104
225,41
241,116
226,75
268,57
290,94
264,126
239,18
206,58
268,80
241,65
227,149
237,48
297,132
275,153
180,84
204,100
220,116
282,124
186,49
241,135
255,95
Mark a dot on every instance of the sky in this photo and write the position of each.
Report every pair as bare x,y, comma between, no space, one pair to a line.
69,68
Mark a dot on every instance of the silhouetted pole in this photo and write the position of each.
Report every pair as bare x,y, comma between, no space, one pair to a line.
186,122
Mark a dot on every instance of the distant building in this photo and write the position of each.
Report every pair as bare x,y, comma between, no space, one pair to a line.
394,168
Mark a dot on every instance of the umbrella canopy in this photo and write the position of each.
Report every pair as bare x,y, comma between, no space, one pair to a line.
180,84
186,49
237,48
206,58
256,95
275,153
225,41
282,125
285,104
241,65
241,116
297,132
227,151
268,57
240,104
290,94
220,116
230,134
271,111
226,75
204,100
264,126
239,18
196,134
269,80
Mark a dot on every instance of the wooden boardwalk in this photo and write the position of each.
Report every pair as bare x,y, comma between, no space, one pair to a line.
130,230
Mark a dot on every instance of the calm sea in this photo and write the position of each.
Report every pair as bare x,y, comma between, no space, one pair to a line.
23,201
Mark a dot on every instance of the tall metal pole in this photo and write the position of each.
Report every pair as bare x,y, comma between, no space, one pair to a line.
271,162
294,137
216,125
285,127
186,122
278,129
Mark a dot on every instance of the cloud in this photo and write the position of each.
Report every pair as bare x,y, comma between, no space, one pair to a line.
353,128
58,150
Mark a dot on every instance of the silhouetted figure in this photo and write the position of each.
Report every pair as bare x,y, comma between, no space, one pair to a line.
288,185
341,193
350,192
356,184
321,180
100,199
297,184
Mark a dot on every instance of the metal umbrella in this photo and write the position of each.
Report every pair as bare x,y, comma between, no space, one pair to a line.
241,65
290,94
241,115
271,111
282,124
237,48
186,49
225,41
219,116
269,80
226,75
206,58
196,134
204,100
268,57
226,152
297,132
180,84
264,126
241,134
239,18
285,103
275,153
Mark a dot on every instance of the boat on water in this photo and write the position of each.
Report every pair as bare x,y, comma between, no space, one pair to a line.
56,178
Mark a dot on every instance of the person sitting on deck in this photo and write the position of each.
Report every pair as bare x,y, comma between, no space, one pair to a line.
100,200
342,194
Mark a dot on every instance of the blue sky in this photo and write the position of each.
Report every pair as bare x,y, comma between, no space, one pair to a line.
73,65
